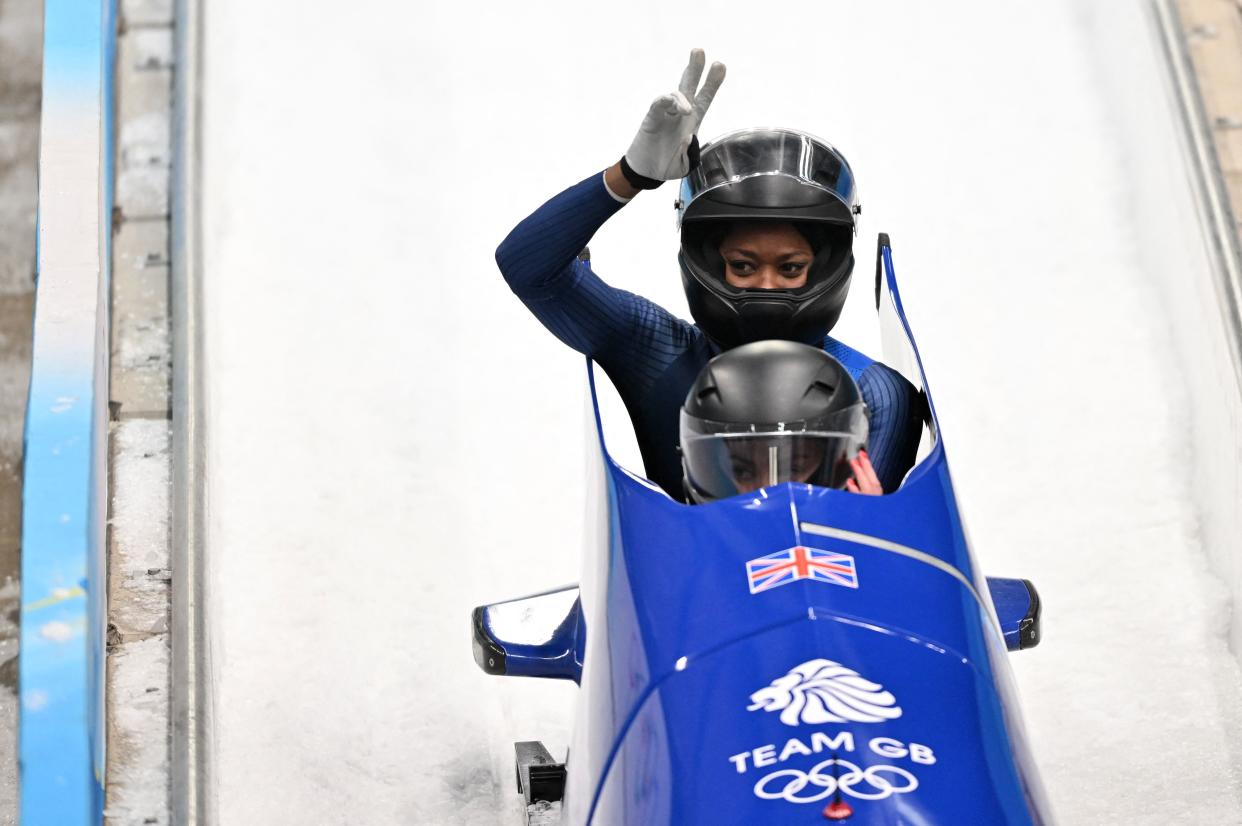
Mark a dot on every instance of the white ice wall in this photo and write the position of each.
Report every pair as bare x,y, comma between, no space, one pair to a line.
1199,306
1155,154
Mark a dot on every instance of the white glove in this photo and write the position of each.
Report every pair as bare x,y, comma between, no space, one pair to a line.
661,149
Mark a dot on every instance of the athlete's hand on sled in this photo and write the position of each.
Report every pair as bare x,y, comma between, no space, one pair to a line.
666,147
865,480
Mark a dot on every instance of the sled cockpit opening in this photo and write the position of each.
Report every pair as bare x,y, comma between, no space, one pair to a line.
610,420
609,423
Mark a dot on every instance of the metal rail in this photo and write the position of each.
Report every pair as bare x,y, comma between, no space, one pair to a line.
1209,183
191,802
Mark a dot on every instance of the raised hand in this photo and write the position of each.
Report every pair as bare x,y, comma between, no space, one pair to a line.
661,151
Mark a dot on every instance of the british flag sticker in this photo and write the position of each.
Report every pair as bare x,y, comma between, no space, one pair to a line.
800,562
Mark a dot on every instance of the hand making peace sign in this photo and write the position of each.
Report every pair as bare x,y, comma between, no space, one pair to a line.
662,149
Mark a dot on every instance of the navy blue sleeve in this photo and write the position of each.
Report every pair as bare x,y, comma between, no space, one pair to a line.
538,253
631,337
896,423
895,412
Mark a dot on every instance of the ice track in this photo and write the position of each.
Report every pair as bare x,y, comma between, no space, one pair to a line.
392,439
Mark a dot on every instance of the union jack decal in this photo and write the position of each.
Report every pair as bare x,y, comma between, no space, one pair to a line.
793,564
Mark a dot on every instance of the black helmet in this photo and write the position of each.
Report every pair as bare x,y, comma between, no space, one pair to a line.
767,175
766,413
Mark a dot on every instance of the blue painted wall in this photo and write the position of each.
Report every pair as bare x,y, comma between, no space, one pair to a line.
64,512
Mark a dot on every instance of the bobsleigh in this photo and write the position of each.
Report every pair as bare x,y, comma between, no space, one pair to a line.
794,655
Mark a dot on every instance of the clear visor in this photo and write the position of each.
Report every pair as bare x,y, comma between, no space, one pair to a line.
723,460
751,152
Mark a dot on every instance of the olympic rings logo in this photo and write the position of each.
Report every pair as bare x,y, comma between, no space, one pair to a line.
871,783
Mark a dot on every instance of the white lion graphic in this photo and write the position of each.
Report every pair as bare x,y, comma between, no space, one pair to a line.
822,691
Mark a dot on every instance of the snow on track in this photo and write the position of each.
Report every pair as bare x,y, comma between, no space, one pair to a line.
392,439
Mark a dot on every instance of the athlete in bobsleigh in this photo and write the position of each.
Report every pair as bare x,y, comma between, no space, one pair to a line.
767,219
779,654
772,412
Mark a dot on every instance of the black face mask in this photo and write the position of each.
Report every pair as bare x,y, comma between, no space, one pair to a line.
733,316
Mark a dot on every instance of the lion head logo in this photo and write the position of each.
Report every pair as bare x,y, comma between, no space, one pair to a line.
823,691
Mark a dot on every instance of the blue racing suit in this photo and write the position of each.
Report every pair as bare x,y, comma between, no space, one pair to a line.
652,356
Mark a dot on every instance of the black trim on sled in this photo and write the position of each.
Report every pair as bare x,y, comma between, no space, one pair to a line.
1028,629
881,242
487,652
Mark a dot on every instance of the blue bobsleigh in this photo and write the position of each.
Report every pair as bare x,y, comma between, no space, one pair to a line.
788,656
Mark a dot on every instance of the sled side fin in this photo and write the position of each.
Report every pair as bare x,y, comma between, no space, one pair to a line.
535,636
1018,609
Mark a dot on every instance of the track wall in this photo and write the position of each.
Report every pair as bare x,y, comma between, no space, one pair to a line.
1205,313
64,512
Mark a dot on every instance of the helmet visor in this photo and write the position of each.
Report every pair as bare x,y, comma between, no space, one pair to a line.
750,153
723,460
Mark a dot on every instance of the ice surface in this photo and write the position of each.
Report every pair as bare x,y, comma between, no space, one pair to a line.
543,813
147,12
140,564
139,787
138,644
393,439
